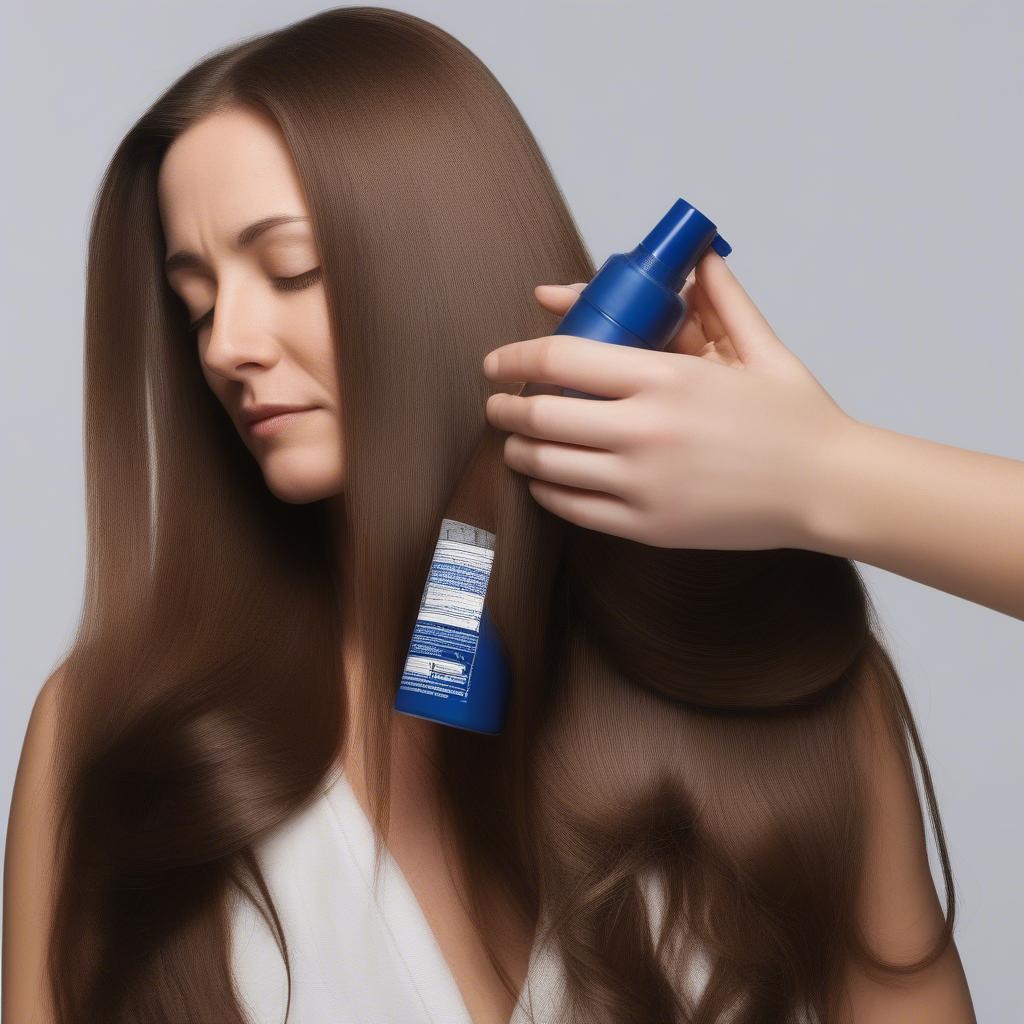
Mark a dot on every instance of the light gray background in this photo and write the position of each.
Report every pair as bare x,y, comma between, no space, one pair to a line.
864,162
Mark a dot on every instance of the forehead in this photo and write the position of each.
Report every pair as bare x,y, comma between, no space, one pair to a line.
225,171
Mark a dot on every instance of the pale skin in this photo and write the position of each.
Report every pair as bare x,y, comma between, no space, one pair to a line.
260,340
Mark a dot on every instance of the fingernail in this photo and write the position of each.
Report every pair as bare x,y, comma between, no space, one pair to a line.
490,363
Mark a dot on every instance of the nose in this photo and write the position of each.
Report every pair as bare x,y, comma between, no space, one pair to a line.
238,335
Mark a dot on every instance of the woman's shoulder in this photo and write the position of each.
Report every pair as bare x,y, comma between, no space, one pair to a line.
30,863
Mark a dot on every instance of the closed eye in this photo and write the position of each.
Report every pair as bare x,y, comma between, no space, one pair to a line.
284,284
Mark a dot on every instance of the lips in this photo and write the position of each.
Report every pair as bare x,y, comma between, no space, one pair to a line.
255,413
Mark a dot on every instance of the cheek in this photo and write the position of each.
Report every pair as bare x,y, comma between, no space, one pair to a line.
319,358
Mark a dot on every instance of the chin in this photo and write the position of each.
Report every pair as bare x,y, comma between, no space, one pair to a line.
298,481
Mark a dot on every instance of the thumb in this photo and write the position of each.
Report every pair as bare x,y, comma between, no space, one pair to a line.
750,333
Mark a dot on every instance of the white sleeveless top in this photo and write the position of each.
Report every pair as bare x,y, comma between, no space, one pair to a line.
356,957
359,957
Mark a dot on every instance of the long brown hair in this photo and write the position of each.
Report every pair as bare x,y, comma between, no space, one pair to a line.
678,715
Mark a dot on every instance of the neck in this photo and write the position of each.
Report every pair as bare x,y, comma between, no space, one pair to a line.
413,740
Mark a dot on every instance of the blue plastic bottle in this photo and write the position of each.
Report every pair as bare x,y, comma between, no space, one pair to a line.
456,672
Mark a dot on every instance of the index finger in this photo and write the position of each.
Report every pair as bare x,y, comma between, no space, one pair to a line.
566,360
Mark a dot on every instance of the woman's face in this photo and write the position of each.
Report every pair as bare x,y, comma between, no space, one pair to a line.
262,336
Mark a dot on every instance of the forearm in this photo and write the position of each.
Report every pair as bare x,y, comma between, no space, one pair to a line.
944,516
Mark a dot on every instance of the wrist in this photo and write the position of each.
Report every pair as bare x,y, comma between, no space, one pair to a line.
830,502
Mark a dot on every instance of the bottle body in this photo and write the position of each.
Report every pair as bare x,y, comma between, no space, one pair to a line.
455,672
587,320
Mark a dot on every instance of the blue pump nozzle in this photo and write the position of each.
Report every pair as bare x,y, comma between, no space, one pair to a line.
676,243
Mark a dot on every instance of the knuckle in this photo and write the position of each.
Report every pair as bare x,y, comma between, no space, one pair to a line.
546,354
538,460
676,371
644,433
535,414
658,432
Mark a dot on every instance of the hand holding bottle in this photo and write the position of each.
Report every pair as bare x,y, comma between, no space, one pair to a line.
716,442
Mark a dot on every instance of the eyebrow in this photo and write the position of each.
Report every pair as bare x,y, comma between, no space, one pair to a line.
183,258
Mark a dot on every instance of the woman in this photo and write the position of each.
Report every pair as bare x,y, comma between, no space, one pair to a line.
702,807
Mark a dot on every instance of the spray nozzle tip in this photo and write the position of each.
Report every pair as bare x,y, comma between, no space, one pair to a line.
721,246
